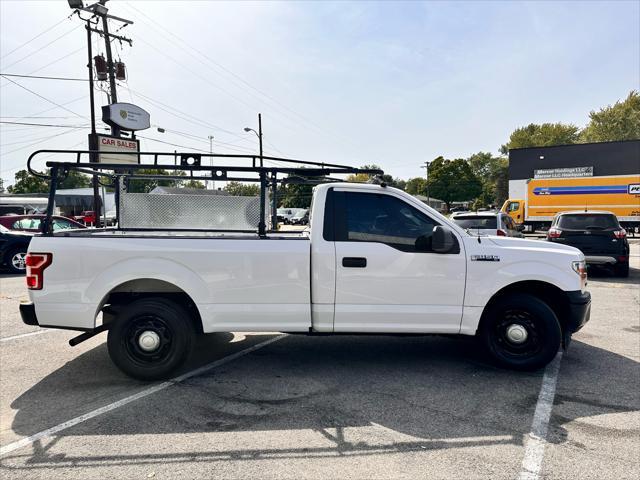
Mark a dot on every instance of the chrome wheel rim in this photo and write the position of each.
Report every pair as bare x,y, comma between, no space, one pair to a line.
19,261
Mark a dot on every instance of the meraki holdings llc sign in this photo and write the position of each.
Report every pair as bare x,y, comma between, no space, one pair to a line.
126,116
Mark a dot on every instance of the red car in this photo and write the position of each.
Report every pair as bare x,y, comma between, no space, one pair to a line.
32,223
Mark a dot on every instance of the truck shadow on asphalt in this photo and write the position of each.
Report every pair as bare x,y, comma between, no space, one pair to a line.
361,395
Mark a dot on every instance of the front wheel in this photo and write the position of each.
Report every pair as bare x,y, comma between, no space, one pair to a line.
150,338
521,332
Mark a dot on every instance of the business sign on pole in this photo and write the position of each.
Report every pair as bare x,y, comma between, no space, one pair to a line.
126,116
572,172
117,150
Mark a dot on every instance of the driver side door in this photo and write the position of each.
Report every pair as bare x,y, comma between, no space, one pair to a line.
384,282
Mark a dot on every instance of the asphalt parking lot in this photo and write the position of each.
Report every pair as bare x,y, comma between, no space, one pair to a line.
325,407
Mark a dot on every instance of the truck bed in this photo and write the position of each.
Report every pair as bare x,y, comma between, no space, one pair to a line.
238,281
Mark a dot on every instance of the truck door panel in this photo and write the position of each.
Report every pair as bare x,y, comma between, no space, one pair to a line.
382,282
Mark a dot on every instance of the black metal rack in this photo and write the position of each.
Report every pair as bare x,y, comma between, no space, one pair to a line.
300,172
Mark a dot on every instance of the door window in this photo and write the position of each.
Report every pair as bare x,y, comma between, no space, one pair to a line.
384,219
513,206
59,224
27,224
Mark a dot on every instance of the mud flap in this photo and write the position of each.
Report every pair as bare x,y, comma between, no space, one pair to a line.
566,340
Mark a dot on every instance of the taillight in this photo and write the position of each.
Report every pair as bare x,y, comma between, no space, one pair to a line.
502,233
554,233
36,263
622,233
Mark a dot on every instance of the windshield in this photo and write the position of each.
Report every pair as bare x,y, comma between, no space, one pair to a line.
588,222
477,221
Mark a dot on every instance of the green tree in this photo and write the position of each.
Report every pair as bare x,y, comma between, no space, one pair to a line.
75,180
295,195
416,186
197,184
620,121
452,181
544,135
493,174
27,183
139,185
242,189
365,177
1,185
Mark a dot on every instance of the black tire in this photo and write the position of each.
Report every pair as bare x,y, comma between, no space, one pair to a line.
543,332
170,325
621,269
15,259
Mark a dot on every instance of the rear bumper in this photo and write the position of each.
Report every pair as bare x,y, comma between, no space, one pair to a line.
579,310
601,259
28,313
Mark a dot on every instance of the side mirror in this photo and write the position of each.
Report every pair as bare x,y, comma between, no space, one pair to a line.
443,240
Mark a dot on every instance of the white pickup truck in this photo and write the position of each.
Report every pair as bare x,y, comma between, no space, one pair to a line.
374,260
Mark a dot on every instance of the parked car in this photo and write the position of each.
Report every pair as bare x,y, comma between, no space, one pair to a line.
488,223
87,217
301,217
285,215
32,223
13,249
597,234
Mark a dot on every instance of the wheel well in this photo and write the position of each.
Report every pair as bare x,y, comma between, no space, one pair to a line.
133,290
553,296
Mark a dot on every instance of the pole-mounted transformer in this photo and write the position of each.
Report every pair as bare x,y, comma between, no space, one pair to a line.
121,71
102,72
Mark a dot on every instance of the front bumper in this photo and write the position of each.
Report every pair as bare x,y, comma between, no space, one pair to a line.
28,313
579,310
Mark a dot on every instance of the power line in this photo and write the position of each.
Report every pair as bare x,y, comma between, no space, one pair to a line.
37,36
225,69
40,141
44,98
43,47
45,78
43,124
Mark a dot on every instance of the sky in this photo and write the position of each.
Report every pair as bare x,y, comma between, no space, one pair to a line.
390,83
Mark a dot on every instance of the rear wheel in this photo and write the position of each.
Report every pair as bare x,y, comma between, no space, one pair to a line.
150,338
621,270
15,260
520,331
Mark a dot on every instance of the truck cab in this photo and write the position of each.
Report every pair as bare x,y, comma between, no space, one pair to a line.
515,209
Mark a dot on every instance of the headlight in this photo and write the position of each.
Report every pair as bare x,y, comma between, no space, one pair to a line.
580,268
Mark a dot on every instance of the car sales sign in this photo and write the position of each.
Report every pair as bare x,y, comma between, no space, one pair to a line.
126,116
117,150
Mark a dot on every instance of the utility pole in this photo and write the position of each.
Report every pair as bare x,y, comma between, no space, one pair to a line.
115,131
92,137
99,9
426,167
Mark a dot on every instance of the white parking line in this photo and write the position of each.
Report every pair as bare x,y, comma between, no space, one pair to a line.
15,337
132,398
537,438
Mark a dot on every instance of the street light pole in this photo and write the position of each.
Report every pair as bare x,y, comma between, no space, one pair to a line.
213,182
260,135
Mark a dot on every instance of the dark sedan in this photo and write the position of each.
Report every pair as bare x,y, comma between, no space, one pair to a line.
13,249
597,234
